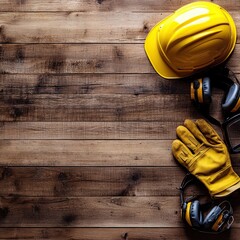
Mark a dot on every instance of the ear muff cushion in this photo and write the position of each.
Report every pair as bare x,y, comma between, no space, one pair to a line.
232,99
206,89
211,217
195,214
201,90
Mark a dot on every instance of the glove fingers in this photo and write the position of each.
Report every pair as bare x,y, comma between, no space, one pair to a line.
187,138
195,130
211,135
181,152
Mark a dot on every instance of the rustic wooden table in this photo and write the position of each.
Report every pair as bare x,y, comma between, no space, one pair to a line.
86,124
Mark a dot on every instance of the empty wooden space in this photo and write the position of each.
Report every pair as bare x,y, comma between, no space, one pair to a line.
86,124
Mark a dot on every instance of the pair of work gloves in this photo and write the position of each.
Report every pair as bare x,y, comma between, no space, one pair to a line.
203,153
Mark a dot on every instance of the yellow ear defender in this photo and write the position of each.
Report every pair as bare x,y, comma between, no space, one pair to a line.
218,218
201,92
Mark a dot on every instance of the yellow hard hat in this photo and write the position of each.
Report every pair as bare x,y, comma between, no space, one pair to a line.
197,36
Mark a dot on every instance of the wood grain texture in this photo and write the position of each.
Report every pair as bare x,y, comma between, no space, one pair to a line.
88,153
86,124
161,211
87,130
90,212
103,5
95,181
85,153
107,108
112,234
137,84
80,58
80,27
91,181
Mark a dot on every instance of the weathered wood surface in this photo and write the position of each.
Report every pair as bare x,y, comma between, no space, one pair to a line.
134,84
80,27
161,211
100,108
88,153
81,58
86,124
93,181
112,233
103,5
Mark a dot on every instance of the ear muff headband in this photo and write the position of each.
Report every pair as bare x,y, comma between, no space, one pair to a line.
237,106
217,223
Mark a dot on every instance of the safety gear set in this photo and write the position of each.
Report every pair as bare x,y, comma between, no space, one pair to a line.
197,36
203,153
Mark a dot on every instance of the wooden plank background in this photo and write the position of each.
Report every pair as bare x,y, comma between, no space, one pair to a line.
86,124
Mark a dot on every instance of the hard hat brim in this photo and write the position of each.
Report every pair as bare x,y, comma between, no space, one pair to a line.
152,51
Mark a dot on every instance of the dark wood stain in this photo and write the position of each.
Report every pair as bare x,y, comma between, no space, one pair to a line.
136,176
87,88
56,63
119,112
20,55
3,213
6,172
36,210
124,236
1,53
16,112
100,1
118,53
69,218
117,201
19,100
17,184
62,177
127,191
21,2
18,105
3,36
99,64
42,83
146,27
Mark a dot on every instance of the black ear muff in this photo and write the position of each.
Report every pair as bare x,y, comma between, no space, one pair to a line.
212,217
232,99
201,90
196,217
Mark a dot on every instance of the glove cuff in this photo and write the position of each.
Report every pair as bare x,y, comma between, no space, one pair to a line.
228,182
228,191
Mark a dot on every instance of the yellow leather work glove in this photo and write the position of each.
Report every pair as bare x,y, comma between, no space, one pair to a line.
203,153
